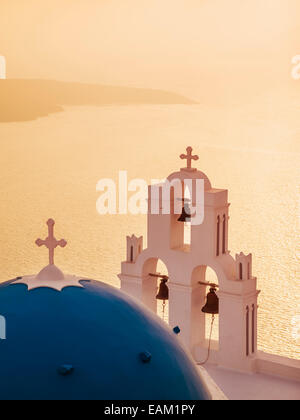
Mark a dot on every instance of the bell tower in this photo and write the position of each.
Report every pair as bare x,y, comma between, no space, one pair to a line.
207,213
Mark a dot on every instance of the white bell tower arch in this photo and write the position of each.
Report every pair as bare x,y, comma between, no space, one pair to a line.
187,265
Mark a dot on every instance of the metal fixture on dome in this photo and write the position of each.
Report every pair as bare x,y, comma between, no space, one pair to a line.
176,330
145,357
65,370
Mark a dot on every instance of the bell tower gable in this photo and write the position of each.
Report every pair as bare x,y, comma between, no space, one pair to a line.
134,248
243,266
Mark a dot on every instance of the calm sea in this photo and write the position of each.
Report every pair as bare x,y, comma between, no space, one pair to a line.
49,168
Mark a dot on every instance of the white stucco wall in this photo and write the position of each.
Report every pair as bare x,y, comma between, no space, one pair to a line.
2,67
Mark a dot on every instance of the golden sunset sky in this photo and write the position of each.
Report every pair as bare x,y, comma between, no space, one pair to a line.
148,43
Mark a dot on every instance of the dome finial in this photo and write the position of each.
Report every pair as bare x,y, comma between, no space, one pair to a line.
51,276
189,157
51,242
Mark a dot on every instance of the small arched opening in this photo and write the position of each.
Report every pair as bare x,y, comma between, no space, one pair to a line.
218,236
247,331
253,329
241,271
131,254
224,235
181,226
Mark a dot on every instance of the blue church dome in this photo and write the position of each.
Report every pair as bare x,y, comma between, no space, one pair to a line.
89,342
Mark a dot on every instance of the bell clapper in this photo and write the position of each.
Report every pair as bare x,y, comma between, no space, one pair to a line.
164,309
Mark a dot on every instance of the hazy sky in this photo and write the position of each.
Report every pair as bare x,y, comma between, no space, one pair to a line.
146,42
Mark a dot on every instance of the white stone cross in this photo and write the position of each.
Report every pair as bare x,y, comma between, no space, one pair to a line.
51,242
189,157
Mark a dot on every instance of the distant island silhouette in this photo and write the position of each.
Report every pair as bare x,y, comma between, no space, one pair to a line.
27,100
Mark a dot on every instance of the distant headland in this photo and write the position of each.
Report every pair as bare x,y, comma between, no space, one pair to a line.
26,100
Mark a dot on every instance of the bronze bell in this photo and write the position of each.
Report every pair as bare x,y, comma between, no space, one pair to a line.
186,214
212,304
163,293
